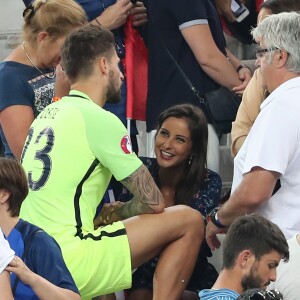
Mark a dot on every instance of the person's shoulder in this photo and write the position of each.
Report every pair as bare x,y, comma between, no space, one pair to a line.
212,176
151,164
14,86
35,235
148,161
11,68
218,294
92,111
98,119
11,76
211,173
210,187
79,104
25,228
41,247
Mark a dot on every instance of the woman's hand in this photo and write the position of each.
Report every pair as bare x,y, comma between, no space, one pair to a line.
115,15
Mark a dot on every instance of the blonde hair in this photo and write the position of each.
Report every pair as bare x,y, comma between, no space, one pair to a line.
56,17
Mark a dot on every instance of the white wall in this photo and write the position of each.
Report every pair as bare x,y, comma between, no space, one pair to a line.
11,22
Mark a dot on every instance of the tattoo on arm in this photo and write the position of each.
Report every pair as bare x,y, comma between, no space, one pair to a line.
147,197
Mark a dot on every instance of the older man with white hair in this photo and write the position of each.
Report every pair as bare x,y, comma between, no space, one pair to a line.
272,148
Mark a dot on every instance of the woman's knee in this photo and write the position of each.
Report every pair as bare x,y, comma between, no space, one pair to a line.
191,218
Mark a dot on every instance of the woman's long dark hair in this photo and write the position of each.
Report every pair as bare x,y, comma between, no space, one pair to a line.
195,172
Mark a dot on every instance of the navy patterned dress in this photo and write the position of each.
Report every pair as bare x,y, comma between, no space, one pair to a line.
204,201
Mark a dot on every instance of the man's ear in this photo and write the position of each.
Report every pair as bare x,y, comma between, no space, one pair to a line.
4,195
103,65
246,258
282,57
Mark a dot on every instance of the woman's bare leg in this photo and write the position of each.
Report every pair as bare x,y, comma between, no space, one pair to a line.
176,234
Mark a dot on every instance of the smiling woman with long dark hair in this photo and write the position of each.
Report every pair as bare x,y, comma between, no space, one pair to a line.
180,172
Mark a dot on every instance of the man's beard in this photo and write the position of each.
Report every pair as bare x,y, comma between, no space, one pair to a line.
251,281
113,95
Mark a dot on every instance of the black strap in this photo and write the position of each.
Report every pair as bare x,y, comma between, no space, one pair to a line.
202,99
186,79
27,243
77,96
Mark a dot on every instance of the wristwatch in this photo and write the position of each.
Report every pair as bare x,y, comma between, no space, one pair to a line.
242,66
213,216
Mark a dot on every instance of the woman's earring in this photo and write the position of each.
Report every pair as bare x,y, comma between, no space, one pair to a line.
190,160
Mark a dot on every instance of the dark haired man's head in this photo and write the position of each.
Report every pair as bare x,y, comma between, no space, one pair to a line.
257,245
82,47
82,53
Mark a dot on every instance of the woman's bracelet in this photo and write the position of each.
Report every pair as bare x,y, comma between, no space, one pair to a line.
96,19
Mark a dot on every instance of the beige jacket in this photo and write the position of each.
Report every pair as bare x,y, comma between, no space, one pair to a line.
249,108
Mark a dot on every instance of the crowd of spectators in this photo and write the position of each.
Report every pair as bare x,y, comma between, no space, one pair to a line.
97,218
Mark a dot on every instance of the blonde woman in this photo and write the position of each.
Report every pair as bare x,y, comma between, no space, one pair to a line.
28,74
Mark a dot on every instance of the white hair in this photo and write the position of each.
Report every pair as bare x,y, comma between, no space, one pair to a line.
282,31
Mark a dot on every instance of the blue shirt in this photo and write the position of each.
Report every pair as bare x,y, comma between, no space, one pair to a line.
44,258
220,294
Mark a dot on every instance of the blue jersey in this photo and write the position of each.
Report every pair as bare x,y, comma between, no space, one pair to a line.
220,294
43,257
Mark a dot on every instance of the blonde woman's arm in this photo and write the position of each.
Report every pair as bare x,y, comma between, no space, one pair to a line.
249,108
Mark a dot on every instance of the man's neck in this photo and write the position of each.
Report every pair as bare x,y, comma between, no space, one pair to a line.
282,78
91,89
229,279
